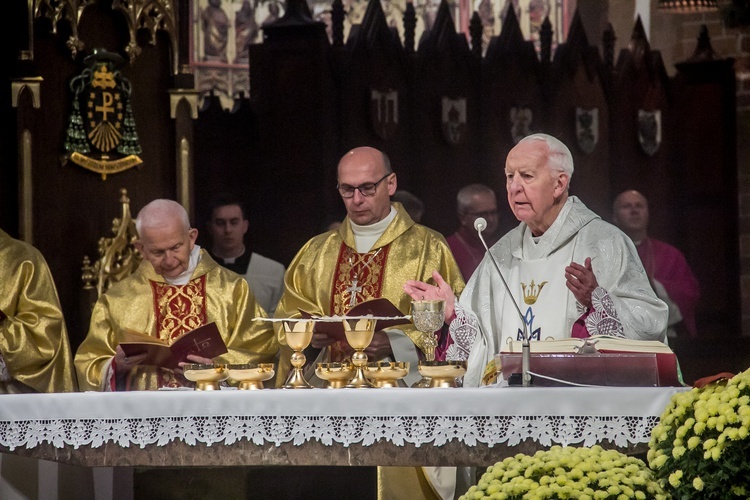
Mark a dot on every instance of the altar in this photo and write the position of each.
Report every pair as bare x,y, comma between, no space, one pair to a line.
343,427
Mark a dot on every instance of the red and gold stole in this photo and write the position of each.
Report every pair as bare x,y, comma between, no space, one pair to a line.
357,277
178,309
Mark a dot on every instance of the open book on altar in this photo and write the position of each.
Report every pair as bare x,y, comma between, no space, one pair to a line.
204,341
595,343
598,360
387,315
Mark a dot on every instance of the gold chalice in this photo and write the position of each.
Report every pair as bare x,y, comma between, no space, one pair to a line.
442,373
359,334
250,375
298,337
336,375
206,377
386,373
427,316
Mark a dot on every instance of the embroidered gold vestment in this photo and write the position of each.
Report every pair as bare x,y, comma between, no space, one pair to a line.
144,302
328,275
33,337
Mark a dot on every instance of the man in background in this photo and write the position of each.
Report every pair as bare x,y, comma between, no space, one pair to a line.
228,226
177,288
473,201
666,267
413,205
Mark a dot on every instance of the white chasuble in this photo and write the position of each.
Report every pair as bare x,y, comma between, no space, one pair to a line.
539,289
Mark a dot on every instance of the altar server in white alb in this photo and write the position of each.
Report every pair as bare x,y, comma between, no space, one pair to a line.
571,273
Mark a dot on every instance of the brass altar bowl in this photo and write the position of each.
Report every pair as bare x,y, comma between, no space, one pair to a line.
251,375
336,375
442,373
386,373
206,377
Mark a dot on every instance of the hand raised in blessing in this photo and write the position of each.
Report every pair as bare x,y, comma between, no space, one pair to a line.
419,290
581,281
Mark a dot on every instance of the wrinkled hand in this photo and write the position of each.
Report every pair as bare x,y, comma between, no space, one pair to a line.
419,290
126,363
380,347
321,340
581,281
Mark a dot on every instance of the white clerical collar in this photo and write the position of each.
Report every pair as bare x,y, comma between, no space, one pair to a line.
366,236
232,260
182,279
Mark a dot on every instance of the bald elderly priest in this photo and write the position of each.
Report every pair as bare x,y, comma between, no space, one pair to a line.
177,288
34,351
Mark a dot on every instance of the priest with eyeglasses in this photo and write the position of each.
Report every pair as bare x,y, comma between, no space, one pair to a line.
374,251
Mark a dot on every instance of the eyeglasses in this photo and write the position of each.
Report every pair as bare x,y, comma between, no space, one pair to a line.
367,189
486,214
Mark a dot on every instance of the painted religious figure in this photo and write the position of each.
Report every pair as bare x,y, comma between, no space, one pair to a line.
223,30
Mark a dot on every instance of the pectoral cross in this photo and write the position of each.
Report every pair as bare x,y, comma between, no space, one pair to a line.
353,289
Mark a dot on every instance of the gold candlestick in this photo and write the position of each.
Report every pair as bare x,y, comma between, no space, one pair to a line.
298,337
359,335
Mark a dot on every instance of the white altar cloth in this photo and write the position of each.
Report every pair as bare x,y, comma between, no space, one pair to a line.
493,416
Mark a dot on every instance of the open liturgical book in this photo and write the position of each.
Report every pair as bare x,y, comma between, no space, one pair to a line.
204,341
595,343
596,360
386,314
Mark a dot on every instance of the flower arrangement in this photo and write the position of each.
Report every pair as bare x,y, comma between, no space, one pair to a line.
700,447
570,472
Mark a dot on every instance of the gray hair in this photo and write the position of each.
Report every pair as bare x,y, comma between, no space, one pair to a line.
463,198
154,213
559,158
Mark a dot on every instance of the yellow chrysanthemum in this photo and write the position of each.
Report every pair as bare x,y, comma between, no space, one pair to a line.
698,484
675,478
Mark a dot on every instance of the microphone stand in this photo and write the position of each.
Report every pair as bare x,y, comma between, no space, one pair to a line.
480,224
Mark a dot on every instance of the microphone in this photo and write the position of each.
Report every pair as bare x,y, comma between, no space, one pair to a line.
480,224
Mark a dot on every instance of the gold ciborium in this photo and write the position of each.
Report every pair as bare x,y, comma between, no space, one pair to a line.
336,375
206,377
250,375
386,373
298,337
359,334
442,373
427,316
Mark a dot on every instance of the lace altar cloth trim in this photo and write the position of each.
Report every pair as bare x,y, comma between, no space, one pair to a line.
365,430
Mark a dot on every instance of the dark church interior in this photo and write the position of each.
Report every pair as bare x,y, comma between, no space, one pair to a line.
315,94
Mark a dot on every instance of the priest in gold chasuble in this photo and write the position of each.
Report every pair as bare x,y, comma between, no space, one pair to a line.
376,249
34,350
371,255
177,288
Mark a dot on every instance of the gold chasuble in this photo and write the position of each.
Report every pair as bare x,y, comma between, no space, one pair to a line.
145,303
33,338
328,276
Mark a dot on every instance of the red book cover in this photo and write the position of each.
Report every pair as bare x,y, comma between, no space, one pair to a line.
204,341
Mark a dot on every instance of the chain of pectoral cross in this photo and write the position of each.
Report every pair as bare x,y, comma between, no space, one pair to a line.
353,289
